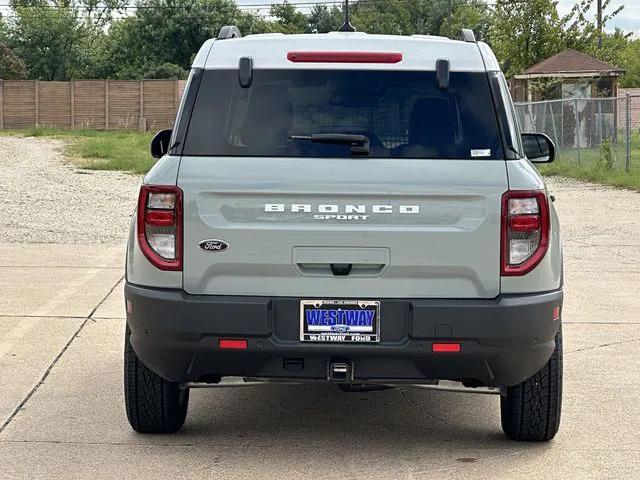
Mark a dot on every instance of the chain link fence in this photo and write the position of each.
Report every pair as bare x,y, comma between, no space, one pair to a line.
600,132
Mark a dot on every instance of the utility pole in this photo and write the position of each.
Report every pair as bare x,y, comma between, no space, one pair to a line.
599,24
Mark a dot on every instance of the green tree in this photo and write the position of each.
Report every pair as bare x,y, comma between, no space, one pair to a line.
581,31
126,51
629,59
4,30
324,19
289,19
167,70
62,39
381,16
400,17
171,31
249,23
474,14
613,46
47,39
427,17
524,33
58,39
11,66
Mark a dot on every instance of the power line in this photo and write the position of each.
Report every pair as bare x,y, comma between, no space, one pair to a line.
160,7
261,10
246,6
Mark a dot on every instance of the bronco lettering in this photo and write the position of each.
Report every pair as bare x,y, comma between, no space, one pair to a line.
335,209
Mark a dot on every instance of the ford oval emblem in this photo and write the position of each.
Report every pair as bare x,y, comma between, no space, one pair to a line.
213,245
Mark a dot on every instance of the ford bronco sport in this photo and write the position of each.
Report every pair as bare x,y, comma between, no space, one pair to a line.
349,208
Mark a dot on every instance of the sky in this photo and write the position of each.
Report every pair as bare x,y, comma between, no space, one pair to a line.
628,19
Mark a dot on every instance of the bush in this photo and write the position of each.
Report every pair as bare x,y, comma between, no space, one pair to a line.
166,70
11,65
607,158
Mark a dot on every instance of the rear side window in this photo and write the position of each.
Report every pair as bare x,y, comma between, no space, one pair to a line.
507,114
403,114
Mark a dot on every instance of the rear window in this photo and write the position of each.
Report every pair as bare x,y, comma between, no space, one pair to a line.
403,114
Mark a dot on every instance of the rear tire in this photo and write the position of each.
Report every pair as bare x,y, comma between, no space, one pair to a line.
530,410
154,405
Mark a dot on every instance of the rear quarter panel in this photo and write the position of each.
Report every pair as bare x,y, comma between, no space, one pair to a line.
548,274
139,270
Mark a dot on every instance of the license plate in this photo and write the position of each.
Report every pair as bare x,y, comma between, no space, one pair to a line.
350,321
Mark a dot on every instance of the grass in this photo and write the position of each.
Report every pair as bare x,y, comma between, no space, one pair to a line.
100,150
129,152
589,165
615,178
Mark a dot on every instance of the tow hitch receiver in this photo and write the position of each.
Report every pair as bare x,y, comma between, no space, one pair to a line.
339,372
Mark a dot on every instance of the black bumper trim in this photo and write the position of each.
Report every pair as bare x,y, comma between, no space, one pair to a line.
504,340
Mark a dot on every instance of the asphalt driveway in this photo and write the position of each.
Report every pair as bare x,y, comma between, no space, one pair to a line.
61,399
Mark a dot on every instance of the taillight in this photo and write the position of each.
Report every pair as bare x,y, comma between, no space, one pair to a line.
525,231
160,225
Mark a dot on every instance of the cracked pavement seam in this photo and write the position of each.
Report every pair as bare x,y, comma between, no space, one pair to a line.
603,345
57,358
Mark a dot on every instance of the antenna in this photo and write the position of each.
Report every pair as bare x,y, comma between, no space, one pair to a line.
347,27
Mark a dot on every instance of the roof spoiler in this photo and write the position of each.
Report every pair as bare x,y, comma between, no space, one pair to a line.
468,35
229,31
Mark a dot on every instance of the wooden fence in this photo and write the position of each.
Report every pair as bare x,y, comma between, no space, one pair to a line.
145,105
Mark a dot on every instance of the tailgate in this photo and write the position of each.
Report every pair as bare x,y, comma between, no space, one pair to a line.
343,228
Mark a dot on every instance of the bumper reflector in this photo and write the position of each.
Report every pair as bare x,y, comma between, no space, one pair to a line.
556,313
446,347
227,344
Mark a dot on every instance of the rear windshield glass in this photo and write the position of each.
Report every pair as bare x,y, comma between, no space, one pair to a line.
403,114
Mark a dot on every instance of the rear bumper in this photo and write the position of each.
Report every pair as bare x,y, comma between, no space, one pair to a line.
504,340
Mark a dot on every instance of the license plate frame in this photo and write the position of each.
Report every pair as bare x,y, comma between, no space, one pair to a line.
341,332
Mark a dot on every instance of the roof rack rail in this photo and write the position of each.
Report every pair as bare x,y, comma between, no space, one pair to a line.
229,31
468,35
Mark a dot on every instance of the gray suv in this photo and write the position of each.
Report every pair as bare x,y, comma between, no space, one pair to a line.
348,208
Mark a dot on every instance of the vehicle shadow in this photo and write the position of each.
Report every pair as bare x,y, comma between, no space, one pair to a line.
302,417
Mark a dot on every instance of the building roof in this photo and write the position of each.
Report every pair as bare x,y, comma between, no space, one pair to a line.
571,62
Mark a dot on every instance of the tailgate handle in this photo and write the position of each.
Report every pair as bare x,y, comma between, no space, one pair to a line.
341,269
341,261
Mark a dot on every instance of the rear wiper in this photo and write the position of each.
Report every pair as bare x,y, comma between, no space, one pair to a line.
359,143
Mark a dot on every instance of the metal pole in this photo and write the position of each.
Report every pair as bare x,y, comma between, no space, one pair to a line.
562,123
600,135
553,124
531,119
627,161
577,129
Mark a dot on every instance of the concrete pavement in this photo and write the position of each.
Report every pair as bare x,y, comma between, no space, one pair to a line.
61,400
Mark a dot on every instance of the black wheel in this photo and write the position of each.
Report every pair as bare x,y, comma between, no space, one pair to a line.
154,405
531,410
